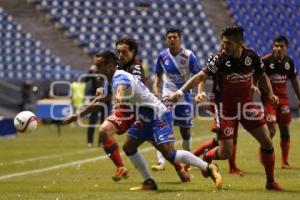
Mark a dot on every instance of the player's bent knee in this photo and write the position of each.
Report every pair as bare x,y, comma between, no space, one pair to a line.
129,151
169,155
267,145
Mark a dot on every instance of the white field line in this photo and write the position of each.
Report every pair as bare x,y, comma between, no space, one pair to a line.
78,162
49,156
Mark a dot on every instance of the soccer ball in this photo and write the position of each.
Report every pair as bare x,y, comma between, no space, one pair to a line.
25,121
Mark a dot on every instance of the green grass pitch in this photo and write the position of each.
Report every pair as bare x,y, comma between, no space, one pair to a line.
44,165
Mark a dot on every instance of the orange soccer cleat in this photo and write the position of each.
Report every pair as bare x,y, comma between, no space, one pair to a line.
121,173
184,175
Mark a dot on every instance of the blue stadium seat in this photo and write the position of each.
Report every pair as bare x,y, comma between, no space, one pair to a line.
269,18
22,57
92,23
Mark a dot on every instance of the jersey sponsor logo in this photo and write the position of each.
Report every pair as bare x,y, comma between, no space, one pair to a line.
135,71
138,67
228,64
184,56
238,78
228,131
271,66
248,61
287,66
167,62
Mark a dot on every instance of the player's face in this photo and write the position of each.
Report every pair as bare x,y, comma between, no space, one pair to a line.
124,54
173,40
279,49
100,67
229,46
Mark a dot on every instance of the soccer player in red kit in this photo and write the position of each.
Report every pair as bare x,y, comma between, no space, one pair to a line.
280,67
232,71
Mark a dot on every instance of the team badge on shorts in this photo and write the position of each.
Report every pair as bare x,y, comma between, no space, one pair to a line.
285,109
228,131
248,61
271,118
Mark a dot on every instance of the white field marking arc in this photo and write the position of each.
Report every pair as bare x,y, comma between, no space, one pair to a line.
54,167
50,156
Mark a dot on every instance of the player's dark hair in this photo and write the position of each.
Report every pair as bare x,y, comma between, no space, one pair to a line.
131,42
174,30
234,31
108,57
281,38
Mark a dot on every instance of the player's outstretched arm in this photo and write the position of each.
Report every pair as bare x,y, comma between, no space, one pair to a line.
266,86
88,109
191,83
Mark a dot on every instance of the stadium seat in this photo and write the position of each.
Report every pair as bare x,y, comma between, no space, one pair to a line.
269,18
24,58
93,22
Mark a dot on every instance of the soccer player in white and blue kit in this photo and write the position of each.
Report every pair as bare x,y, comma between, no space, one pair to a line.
153,123
177,64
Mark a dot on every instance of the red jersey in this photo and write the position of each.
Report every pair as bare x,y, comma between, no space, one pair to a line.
233,78
278,73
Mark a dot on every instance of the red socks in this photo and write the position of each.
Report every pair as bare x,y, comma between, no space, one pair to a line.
112,150
268,160
208,144
285,149
211,155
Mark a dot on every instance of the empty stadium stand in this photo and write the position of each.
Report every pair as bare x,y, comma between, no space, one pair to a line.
24,58
265,19
96,24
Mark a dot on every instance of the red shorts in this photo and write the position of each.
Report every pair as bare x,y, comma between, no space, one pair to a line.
122,119
214,127
280,113
251,118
